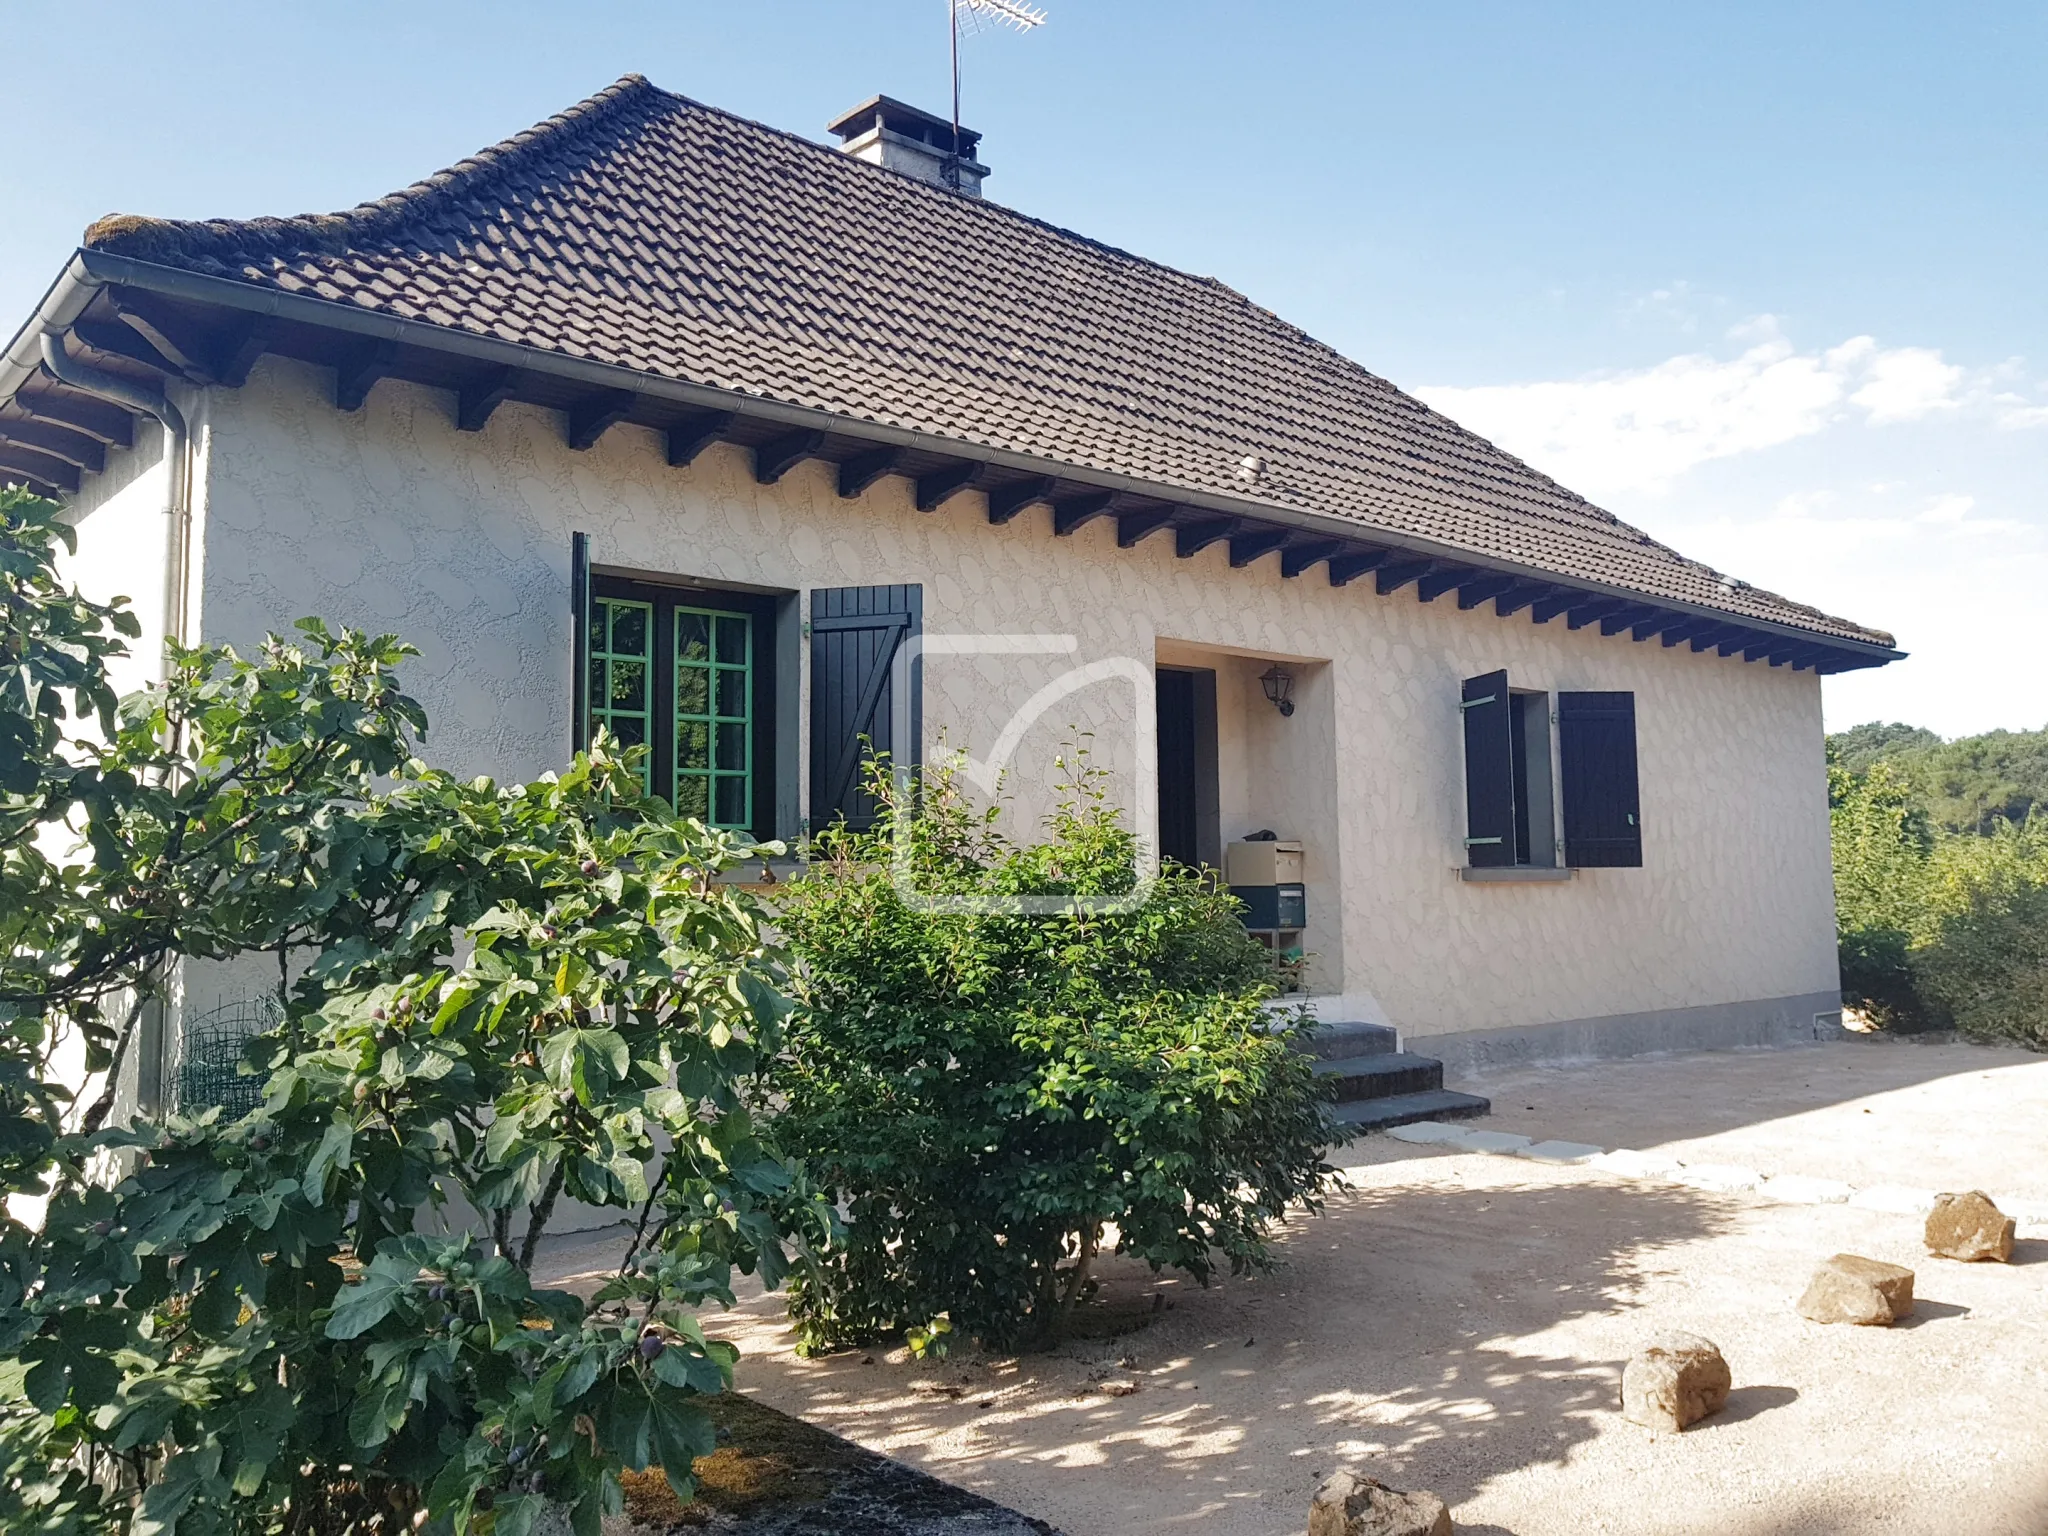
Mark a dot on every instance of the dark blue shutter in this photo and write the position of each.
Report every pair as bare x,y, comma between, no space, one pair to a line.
1596,748
857,634
579,642
1489,772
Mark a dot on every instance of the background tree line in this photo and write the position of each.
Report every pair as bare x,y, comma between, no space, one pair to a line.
1941,878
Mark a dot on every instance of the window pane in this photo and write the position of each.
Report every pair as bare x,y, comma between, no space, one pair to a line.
732,640
732,747
732,693
691,796
693,636
693,691
628,629
693,745
732,800
629,685
630,729
597,684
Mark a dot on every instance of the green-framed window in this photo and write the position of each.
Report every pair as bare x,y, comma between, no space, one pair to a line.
714,711
622,671
688,674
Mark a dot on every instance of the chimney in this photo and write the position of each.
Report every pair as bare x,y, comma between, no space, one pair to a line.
884,131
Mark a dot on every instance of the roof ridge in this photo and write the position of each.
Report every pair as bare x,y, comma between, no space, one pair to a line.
149,238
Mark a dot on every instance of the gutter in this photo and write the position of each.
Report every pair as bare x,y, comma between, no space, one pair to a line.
90,270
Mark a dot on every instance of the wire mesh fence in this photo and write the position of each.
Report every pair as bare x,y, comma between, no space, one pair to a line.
210,1057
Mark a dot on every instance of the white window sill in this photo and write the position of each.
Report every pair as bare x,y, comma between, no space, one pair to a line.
1516,874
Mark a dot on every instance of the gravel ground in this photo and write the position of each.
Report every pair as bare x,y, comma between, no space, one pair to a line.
1458,1322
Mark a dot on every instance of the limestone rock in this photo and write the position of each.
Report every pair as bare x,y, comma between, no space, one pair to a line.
1848,1289
1118,1386
1352,1504
1675,1380
1969,1227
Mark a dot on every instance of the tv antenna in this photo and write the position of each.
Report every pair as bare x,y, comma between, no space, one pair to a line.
978,15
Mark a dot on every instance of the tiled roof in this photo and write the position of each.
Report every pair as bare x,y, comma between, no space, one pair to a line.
646,230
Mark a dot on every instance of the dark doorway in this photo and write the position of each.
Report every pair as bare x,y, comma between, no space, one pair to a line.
1189,832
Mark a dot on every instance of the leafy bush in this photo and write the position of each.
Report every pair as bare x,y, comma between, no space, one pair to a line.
999,1098
1938,929
1984,961
1881,850
502,996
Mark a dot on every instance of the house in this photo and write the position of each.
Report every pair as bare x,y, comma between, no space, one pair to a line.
752,449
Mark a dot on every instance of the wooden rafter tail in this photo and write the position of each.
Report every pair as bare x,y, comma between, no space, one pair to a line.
594,415
1437,582
693,434
863,470
1297,558
1347,567
1005,502
934,490
1072,513
1472,593
82,413
1192,540
1254,545
1391,578
1134,527
778,456
87,453
478,397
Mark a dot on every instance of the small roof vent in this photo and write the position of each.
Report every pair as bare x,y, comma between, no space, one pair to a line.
885,131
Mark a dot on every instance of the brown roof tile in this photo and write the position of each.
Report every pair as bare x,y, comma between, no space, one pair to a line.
703,247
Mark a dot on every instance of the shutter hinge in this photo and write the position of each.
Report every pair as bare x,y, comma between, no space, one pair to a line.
1475,703
1480,842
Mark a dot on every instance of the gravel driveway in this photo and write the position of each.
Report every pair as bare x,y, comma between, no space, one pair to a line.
1458,1321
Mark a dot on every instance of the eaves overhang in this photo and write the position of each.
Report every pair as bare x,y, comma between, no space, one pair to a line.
90,271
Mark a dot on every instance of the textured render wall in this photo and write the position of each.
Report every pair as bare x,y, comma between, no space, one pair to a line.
390,518
122,526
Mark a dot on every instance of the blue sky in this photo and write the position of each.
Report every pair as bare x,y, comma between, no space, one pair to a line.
1764,278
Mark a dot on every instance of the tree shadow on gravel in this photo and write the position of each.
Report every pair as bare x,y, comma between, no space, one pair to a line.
1426,1331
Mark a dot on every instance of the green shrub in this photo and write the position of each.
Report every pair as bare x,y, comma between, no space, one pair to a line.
503,997
1882,846
998,1098
1938,929
1984,960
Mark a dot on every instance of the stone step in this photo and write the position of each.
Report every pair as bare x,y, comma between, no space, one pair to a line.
1383,1076
1407,1108
1335,1041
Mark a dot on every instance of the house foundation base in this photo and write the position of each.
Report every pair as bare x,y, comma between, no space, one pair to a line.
1777,1021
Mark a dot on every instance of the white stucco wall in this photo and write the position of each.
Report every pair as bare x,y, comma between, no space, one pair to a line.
121,524
389,518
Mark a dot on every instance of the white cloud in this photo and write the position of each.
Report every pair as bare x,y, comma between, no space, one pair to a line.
2014,412
1613,433
1950,509
1883,483
1908,383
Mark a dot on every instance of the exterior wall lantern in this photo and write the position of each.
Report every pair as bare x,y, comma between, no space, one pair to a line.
1279,685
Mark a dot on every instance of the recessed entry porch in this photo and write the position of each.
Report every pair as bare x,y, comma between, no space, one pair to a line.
1235,769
